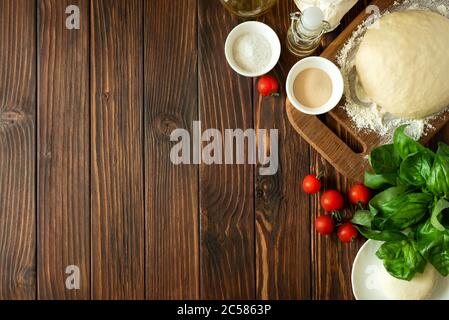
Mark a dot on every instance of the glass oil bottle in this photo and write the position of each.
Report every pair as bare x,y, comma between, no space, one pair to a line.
306,30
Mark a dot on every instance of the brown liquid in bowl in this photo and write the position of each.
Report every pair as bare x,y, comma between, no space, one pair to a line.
312,87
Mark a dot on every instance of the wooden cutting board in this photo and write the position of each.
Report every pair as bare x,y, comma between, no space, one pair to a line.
325,141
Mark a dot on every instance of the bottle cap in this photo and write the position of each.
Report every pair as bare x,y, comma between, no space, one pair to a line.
312,18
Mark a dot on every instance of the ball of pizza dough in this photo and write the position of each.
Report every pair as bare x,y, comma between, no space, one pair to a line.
403,65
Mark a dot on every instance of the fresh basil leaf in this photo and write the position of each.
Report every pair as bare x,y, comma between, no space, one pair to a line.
439,207
378,223
380,181
438,181
385,159
386,235
405,145
434,246
385,197
402,259
416,168
362,218
403,211
443,149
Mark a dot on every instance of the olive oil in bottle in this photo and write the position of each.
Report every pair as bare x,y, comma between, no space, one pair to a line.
248,9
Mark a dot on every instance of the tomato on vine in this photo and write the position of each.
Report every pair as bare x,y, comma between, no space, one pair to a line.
332,200
311,184
347,233
359,194
324,224
268,86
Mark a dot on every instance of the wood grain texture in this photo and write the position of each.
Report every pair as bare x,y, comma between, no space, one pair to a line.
171,102
109,96
63,151
332,260
117,149
321,137
17,149
282,210
226,191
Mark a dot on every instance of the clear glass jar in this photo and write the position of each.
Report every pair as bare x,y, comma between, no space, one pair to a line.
306,30
248,9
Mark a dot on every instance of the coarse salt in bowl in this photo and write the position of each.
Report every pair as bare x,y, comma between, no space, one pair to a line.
252,49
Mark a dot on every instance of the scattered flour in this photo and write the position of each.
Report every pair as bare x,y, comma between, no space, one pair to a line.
367,115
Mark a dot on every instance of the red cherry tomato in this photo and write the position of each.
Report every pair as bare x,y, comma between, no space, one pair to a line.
268,86
324,224
311,184
332,200
359,194
347,233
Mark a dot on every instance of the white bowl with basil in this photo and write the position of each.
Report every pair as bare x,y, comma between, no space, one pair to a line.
370,280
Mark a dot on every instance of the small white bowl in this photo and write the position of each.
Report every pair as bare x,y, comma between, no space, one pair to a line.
261,29
327,66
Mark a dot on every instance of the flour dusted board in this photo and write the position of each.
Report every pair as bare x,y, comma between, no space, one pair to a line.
349,163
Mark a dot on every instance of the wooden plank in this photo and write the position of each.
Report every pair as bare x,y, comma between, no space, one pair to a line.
17,149
331,259
282,209
226,191
63,151
171,99
117,149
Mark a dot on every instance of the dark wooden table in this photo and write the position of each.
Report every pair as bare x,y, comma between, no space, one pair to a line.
85,171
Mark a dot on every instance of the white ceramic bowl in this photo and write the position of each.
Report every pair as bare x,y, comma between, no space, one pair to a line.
263,30
365,272
327,66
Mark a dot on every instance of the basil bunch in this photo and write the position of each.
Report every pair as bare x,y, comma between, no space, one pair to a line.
410,212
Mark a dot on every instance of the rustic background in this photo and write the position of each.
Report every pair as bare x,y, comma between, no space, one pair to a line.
85,174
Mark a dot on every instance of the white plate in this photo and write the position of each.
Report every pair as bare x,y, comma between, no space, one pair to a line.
365,272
